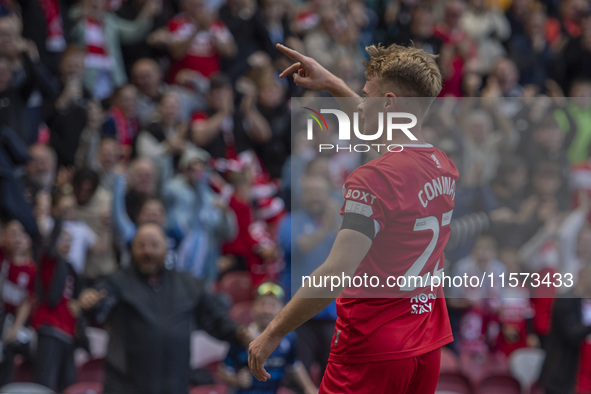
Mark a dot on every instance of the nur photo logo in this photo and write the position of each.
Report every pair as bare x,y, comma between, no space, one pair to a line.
387,124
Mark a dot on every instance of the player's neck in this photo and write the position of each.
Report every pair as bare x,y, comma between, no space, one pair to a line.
399,138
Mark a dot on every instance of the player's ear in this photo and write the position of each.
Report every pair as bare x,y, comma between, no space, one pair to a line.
390,101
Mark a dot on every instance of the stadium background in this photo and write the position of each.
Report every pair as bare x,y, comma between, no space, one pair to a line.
118,95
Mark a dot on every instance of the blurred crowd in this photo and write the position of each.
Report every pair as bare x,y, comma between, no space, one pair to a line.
117,114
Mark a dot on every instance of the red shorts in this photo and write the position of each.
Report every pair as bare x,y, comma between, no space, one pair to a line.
416,375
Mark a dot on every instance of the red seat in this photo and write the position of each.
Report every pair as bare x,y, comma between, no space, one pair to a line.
449,361
85,388
454,382
242,312
91,371
209,389
238,285
499,384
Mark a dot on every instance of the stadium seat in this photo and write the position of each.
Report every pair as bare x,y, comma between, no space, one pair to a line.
238,285
241,312
25,388
91,371
85,388
525,365
209,389
449,361
499,384
453,382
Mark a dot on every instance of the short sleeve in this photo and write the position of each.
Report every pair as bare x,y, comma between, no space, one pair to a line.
367,193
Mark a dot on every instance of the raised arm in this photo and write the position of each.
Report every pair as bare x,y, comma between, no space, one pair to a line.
309,74
348,251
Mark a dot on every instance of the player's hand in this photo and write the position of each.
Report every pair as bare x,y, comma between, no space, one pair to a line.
258,351
306,71
90,298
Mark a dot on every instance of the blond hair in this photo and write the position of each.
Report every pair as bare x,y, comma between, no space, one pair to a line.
413,72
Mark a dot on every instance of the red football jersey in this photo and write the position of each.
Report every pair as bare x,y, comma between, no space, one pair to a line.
202,56
410,196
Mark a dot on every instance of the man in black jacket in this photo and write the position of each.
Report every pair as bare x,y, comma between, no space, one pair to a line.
571,325
150,313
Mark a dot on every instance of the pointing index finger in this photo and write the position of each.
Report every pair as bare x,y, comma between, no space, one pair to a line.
290,53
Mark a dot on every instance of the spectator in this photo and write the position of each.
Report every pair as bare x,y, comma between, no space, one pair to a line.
479,305
234,371
102,34
332,39
458,52
250,249
147,77
90,138
272,104
21,73
122,123
274,14
67,116
141,184
225,131
489,28
47,25
254,48
421,31
164,138
199,214
566,364
14,201
41,171
531,52
574,63
134,317
517,15
93,207
144,47
546,143
198,41
577,109
314,226
18,273
107,159
567,24
55,317
150,211
84,240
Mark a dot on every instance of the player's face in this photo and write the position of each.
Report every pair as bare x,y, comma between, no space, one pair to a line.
373,103
265,308
149,250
